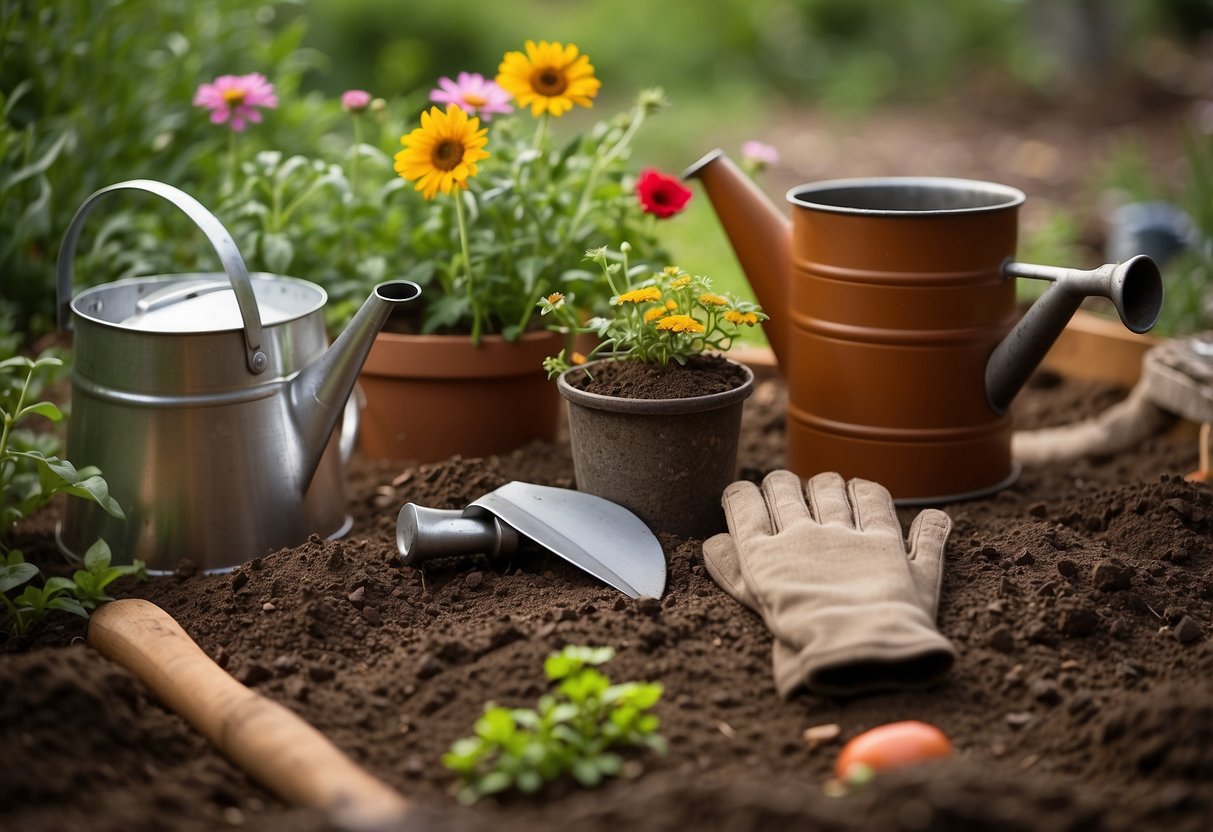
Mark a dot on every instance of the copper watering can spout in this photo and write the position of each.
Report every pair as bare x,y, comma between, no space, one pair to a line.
319,392
761,237
1134,287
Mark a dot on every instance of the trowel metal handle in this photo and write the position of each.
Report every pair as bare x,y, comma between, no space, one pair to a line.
425,533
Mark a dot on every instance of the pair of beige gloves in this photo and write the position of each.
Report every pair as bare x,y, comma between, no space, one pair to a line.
850,609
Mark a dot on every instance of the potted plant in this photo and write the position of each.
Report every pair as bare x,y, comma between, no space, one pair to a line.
501,207
655,408
517,208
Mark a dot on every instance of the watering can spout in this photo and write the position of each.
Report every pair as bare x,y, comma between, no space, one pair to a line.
319,392
1134,287
760,234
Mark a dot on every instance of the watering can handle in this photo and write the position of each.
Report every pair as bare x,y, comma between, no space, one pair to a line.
221,241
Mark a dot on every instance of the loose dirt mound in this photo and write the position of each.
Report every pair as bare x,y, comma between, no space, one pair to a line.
1081,600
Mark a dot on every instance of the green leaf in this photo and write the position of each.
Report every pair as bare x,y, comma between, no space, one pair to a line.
97,490
497,725
45,409
493,782
66,604
586,773
97,557
57,585
529,781
277,251
14,575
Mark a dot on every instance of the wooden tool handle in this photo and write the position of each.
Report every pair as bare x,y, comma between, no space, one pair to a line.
264,739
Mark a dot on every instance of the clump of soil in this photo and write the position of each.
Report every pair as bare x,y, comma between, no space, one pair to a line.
1080,600
702,375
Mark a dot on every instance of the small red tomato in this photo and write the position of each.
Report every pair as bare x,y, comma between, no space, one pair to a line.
890,746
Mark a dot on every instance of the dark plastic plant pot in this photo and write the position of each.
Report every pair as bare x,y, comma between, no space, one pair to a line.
668,460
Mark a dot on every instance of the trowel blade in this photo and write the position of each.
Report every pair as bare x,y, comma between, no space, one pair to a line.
601,537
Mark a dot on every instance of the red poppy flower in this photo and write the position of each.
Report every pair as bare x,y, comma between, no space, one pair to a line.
661,195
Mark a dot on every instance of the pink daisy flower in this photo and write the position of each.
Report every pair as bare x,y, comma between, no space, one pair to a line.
355,101
761,152
474,94
234,99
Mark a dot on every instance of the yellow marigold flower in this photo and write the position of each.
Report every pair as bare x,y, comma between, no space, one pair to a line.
549,78
747,318
670,271
710,299
555,298
442,153
671,305
680,323
578,358
643,295
685,280
654,313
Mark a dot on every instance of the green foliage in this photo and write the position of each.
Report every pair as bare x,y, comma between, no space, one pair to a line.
89,583
34,602
95,91
348,221
665,316
571,731
77,595
30,475
1188,278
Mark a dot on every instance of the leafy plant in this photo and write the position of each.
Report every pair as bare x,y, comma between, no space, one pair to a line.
30,474
572,730
89,584
668,316
84,591
92,91
35,602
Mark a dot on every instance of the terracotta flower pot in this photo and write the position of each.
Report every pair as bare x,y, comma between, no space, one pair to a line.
429,397
668,460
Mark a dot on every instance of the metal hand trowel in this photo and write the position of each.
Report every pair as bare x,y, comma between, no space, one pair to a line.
593,534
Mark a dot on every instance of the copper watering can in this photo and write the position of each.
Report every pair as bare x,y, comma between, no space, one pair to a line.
894,321
209,401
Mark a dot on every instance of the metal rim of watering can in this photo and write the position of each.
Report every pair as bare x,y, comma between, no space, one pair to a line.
994,197
220,240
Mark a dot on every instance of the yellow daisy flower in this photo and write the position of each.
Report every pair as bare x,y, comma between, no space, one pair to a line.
645,295
549,78
680,323
578,358
671,305
747,318
442,153
654,313
709,299
685,280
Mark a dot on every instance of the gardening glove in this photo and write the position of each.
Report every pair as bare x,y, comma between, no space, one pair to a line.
849,610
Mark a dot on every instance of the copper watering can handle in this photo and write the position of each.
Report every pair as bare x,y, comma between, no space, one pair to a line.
221,241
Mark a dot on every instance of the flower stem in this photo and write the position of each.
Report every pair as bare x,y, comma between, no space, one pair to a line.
231,163
357,154
541,131
601,163
467,267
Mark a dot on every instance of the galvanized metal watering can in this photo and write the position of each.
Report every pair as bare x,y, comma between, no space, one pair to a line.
894,321
209,401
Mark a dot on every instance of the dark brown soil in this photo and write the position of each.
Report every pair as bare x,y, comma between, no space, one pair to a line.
1080,599
702,375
